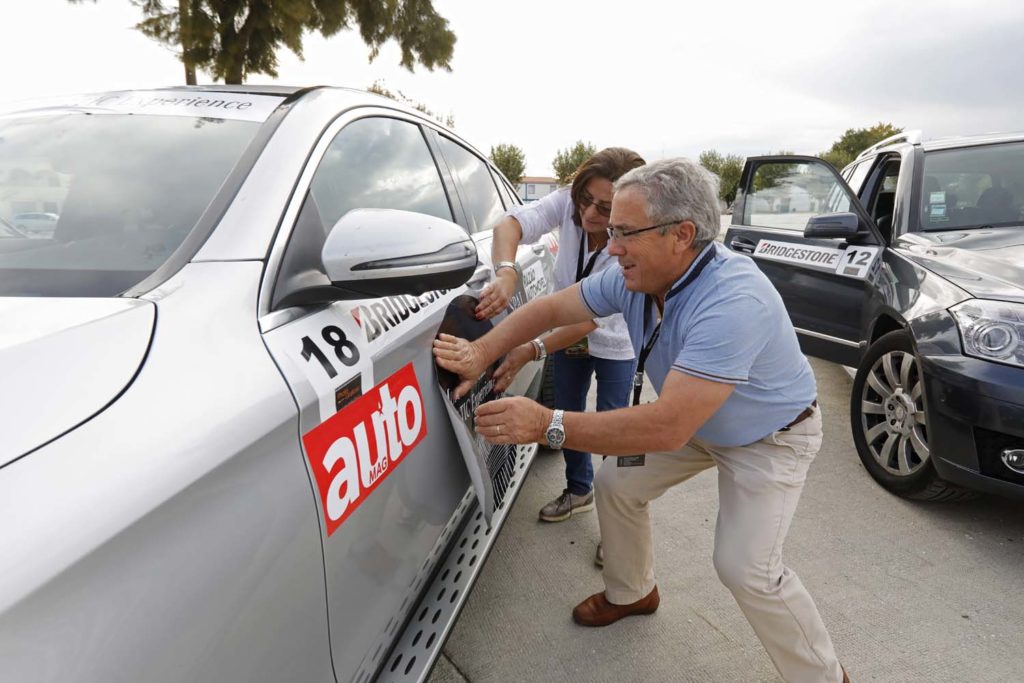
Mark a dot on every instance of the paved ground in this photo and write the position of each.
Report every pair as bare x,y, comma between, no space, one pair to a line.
911,592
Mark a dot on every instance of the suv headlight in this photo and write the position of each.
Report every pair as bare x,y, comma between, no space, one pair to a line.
991,330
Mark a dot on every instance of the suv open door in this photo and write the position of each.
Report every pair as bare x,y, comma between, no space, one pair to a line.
805,228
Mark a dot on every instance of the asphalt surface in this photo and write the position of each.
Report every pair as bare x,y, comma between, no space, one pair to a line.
910,591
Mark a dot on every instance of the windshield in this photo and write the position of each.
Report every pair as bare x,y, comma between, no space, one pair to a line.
973,187
100,201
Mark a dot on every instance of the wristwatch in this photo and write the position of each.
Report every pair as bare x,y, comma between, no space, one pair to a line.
555,433
540,351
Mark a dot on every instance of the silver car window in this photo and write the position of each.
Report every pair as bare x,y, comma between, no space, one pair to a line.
124,190
479,195
378,163
372,163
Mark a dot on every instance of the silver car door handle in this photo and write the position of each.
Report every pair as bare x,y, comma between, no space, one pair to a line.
481,276
538,249
743,245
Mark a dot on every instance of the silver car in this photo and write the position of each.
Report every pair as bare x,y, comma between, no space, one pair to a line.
36,224
224,450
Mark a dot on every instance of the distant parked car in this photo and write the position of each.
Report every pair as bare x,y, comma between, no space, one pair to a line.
36,224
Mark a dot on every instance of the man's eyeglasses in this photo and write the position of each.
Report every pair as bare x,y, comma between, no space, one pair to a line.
587,200
617,233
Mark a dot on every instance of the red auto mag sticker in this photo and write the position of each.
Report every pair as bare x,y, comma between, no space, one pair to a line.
355,449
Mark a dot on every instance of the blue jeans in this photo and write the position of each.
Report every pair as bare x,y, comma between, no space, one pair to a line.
572,382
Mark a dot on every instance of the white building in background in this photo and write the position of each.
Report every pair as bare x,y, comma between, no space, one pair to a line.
532,188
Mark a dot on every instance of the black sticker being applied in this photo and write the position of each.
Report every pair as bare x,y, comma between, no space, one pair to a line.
631,460
348,392
495,463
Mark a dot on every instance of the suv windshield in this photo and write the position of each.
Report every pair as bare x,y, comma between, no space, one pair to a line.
973,187
100,201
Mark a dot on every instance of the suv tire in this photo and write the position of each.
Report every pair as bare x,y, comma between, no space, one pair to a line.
890,423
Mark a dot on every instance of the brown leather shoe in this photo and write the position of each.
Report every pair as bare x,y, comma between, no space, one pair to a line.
846,677
597,611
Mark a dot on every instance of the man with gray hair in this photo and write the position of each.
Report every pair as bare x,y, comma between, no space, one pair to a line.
734,392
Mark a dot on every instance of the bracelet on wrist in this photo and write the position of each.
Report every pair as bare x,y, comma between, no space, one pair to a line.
540,351
505,264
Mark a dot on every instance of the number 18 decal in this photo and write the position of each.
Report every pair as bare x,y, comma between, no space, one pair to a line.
344,349
856,261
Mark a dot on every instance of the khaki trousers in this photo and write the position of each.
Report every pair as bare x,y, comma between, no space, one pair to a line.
759,486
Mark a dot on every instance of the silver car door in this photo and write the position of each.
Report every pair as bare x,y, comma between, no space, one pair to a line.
363,375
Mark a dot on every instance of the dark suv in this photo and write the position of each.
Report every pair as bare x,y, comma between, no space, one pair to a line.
908,266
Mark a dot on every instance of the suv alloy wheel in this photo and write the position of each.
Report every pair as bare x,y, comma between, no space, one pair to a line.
890,424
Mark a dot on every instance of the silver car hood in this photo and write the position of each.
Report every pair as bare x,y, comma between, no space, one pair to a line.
62,361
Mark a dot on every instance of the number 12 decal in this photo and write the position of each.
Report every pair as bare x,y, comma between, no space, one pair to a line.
857,261
344,349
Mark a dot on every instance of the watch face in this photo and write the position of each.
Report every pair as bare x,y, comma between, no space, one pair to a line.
555,436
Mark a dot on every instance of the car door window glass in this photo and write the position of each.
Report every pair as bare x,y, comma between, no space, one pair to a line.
373,163
378,163
857,175
881,201
506,194
785,195
479,195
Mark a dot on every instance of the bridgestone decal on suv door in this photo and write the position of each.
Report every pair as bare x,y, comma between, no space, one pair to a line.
354,450
803,254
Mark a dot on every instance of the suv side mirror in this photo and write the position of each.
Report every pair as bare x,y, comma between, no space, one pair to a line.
386,252
830,225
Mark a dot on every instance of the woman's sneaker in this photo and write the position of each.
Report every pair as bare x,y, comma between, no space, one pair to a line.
567,505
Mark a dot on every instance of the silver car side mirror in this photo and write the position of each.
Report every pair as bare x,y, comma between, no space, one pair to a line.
385,252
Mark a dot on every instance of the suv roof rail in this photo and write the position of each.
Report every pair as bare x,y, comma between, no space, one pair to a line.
912,137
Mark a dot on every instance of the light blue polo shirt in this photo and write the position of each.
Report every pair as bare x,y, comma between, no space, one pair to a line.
728,325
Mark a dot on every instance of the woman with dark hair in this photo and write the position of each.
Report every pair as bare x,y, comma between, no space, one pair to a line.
580,214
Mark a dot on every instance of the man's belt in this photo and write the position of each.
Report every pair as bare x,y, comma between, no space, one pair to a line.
804,414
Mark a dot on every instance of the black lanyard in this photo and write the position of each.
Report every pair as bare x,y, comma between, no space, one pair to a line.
582,272
638,378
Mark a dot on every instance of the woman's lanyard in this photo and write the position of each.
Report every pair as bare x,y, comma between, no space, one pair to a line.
582,272
638,378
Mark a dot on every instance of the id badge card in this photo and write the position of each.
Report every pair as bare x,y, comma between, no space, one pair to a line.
631,460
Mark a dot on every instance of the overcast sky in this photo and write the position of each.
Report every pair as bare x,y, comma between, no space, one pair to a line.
664,78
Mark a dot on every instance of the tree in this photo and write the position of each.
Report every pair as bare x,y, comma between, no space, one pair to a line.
856,140
567,161
510,160
234,38
379,88
728,168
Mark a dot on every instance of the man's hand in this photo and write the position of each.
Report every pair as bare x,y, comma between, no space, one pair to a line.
513,363
462,357
513,420
494,299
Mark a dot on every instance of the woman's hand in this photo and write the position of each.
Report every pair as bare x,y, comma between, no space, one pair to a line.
513,363
495,297
462,357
